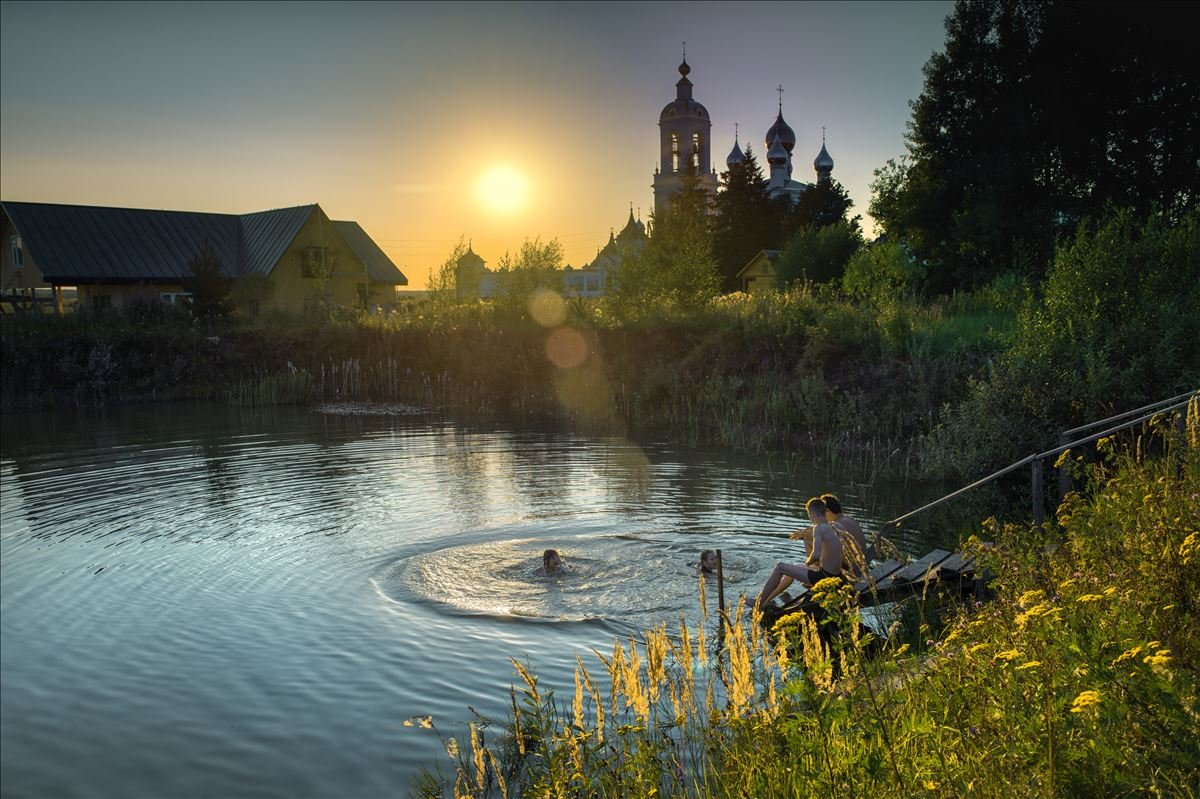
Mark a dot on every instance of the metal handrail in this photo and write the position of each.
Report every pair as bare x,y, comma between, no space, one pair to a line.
1037,458
1090,425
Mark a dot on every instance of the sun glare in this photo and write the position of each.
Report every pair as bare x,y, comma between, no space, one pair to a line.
502,190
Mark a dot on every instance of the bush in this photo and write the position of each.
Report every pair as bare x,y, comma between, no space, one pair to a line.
817,254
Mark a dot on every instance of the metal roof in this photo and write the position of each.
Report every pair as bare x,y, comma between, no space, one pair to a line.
85,243
379,267
70,242
267,234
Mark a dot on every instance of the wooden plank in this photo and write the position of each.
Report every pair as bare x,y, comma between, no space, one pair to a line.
877,573
916,570
957,564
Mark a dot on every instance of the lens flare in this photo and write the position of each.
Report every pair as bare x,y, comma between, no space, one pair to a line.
547,308
566,348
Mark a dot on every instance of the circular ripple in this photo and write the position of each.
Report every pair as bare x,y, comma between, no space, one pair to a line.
627,579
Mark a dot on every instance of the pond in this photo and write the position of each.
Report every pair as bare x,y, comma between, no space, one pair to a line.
205,601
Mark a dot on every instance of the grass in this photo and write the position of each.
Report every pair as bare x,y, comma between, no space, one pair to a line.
1079,678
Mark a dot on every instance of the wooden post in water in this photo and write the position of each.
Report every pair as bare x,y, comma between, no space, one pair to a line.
1039,499
720,586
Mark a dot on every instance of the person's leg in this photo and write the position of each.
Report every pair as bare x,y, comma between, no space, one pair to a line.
773,588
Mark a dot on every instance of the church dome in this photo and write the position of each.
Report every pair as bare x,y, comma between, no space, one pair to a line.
778,154
823,161
682,108
736,156
684,69
787,136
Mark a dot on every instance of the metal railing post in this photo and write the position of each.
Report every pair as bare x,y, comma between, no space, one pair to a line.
1039,499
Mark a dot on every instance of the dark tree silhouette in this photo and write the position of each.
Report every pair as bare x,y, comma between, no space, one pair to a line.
1037,115
208,284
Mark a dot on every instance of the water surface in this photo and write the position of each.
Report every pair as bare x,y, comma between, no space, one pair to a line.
201,601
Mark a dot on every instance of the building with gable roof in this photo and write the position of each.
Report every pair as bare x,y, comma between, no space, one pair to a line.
287,258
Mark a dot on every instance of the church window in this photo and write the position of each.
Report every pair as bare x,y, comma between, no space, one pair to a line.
674,152
696,150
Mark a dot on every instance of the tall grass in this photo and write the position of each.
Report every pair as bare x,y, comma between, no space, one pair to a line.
1079,678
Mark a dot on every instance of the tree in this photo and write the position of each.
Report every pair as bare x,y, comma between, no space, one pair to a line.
535,267
1036,115
882,272
746,220
823,204
208,285
818,254
442,284
677,265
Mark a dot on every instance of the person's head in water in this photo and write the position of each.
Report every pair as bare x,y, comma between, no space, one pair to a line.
551,562
832,504
816,510
708,561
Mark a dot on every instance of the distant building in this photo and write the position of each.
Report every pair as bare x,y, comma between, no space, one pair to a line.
685,140
287,259
684,143
759,274
472,278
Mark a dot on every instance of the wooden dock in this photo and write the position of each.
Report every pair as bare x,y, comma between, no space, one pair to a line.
892,580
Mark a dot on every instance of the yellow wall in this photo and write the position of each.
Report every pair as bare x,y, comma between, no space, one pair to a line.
758,275
12,279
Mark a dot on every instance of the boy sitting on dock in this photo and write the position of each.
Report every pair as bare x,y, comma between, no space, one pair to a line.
825,555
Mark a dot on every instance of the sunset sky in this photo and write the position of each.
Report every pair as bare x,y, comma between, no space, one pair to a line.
430,121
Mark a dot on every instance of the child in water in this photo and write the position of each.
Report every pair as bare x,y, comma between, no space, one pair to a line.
552,563
708,562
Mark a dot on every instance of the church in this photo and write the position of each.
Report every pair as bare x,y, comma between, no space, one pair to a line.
685,142
685,135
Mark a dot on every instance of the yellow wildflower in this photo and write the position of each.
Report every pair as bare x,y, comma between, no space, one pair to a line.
1081,671
1128,654
1008,654
1160,658
1029,597
1033,664
977,647
1091,597
1085,700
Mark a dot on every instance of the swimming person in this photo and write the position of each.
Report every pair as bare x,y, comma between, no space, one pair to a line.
824,557
552,563
708,562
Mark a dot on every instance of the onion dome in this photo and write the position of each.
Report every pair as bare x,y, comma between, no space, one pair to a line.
684,69
778,154
736,156
823,161
787,137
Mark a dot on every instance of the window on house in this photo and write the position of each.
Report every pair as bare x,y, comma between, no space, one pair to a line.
674,152
253,308
101,302
18,252
317,262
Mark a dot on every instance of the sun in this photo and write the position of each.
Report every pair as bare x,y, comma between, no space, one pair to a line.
502,189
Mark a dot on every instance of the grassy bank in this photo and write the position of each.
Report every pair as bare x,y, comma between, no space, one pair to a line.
781,371
1079,678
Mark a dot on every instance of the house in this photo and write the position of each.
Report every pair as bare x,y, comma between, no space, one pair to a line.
759,274
287,259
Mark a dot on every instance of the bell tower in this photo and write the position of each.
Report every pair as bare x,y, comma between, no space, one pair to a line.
684,135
